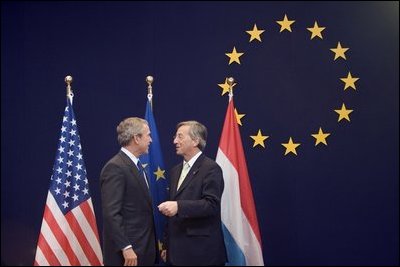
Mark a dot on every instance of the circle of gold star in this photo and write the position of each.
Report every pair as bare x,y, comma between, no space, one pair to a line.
285,27
259,139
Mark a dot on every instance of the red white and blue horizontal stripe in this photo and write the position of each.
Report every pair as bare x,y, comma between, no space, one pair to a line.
239,218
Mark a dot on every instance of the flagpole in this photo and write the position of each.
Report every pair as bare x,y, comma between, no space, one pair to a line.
68,80
230,82
149,80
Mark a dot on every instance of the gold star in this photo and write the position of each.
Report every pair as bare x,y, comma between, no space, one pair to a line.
259,139
343,113
255,33
339,51
349,81
225,86
285,24
290,147
159,173
234,56
320,137
239,117
316,31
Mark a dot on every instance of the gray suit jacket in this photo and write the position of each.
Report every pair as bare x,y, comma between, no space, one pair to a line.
127,212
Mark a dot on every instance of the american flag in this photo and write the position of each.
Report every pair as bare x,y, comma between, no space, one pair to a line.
69,235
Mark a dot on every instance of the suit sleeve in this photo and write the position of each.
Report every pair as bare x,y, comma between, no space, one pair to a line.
112,195
211,192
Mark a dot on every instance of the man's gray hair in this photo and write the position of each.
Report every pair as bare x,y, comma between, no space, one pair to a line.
196,131
128,128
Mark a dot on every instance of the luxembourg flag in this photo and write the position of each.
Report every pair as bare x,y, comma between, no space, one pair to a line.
239,218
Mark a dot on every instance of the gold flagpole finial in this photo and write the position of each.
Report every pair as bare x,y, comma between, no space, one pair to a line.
150,80
230,82
68,80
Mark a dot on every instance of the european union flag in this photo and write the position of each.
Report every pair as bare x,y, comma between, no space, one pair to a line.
154,165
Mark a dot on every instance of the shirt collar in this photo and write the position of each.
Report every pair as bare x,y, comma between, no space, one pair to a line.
193,159
130,155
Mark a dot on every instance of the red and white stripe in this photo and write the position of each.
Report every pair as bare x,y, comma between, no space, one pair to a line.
238,211
68,240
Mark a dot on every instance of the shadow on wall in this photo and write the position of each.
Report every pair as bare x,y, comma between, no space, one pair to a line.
14,253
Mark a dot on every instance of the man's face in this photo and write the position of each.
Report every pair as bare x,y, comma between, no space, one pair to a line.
183,143
145,140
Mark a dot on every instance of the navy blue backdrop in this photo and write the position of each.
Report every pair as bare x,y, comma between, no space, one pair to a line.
330,205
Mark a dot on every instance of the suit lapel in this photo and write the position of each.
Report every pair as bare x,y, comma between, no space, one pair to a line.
136,175
174,180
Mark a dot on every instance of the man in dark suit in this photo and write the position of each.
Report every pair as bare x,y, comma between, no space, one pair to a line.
194,235
128,227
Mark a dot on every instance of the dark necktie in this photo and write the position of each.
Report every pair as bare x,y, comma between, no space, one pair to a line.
142,172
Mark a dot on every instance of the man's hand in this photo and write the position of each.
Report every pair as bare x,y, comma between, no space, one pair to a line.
130,257
164,255
168,208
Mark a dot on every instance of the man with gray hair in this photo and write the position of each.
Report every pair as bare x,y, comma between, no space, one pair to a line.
194,233
128,224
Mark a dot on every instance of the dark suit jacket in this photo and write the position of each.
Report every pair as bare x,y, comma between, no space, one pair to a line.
194,235
127,212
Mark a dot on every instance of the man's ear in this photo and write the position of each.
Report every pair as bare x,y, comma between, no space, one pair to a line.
196,142
136,139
